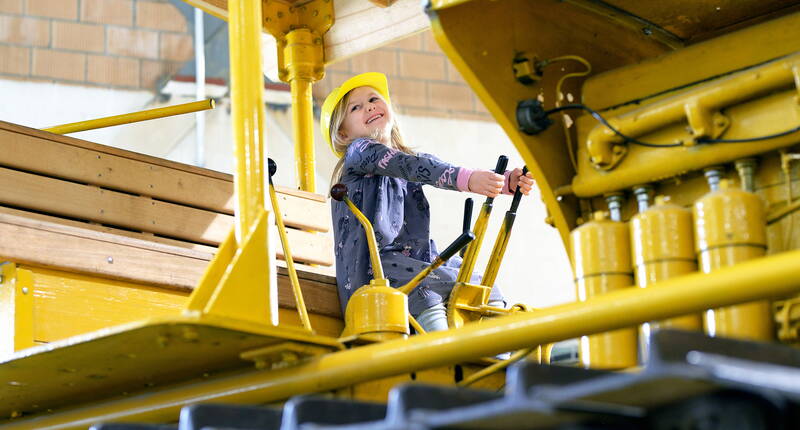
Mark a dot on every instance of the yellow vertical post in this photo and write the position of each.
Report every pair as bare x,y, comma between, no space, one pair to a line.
240,283
302,62
247,110
298,31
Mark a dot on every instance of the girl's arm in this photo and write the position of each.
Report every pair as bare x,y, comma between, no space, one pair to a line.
366,156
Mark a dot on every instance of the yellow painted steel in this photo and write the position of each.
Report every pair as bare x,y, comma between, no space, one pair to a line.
299,31
471,254
129,118
699,107
374,255
485,60
773,113
240,281
287,253
730,227
247,112
304,63
662,243
247,289
773,276
651,78
465,302
16,308
377,310
498,251
602,264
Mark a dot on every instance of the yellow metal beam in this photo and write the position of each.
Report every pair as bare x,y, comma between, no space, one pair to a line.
699,107
128,118
299,31
773,276
240,281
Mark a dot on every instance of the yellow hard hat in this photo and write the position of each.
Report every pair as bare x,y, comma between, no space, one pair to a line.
371,79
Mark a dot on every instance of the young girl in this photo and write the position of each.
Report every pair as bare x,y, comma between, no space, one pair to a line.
384,179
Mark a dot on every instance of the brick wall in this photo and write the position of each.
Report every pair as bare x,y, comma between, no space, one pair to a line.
110,43
422,80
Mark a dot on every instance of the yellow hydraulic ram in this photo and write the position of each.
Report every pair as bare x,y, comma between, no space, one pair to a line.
471,255
377,309
287,253
773,276
129,118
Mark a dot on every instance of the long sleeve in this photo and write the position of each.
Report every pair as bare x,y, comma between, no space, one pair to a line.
367,157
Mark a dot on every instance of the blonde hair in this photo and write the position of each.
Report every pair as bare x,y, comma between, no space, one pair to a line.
341,144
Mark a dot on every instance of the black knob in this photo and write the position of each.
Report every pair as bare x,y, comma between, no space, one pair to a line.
502,162
339,192
272,167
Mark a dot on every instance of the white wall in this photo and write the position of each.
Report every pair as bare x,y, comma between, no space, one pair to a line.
535,270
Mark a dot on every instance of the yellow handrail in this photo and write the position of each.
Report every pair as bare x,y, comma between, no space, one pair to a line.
287,252
128,118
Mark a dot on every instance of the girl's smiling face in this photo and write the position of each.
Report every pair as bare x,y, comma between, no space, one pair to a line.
367,114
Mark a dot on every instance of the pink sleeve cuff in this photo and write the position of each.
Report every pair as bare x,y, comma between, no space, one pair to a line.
462,180
507,183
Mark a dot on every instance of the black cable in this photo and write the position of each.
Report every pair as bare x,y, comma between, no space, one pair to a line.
701,140
749,139
603,121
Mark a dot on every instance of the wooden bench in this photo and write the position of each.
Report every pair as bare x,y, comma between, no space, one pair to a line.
108,236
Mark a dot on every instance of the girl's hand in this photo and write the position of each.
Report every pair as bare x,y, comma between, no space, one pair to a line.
515,179
486,182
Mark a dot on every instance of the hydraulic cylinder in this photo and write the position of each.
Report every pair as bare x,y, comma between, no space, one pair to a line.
662,242
730,227
602,263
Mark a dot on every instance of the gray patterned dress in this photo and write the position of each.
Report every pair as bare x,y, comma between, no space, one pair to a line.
386,185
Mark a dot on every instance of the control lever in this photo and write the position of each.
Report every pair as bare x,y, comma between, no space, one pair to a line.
287,253
382,296
339,193
471,254
467,219
457,245
500,244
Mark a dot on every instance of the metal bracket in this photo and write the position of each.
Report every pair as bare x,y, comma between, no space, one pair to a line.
298,31
283,355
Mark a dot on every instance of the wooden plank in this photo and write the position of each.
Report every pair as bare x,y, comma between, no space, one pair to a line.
139,213
51,245
41,155
69,199
209,250
79,250
307,247
112,151
92,164
323,274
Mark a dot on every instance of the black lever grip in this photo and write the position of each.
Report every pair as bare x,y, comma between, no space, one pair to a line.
518,193
339,192
502,162
460,242
272,168
467,215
